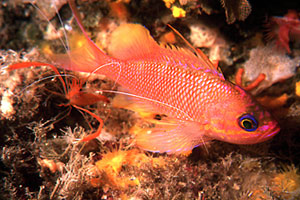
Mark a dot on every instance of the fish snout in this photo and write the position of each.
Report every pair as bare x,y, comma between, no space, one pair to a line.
272,128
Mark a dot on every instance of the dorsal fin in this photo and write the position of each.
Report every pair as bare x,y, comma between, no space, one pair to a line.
131,41
198,52
134,41
185,41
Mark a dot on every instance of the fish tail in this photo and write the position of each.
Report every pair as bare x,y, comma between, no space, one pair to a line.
86,57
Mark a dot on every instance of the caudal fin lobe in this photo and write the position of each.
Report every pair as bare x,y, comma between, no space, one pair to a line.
86,57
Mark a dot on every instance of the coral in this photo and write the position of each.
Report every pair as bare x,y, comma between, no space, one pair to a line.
297,89
236,10
73,180
51,165
52,33
111,164
6,108
47,8
168,3
274,64
178,12
250,86
10,82
281,185
205,36
273,102
283,28
286,183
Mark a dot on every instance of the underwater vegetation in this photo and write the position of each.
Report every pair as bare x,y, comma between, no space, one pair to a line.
71,135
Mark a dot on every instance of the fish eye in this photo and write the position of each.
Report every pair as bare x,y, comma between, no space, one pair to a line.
248,122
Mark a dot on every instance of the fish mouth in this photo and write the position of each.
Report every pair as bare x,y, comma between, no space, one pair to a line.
269,134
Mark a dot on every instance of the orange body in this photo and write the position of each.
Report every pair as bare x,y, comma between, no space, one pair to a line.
200,104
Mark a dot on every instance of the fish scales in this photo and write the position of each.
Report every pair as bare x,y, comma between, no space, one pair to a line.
172,85
199,103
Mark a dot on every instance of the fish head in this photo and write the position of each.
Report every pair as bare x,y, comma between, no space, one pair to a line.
240,119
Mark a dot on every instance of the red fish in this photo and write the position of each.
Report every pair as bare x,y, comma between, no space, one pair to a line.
200,104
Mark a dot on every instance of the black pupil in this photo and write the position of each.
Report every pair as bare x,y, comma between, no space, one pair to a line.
247,124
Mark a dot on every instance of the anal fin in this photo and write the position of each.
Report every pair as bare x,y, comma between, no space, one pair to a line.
178,138
166,134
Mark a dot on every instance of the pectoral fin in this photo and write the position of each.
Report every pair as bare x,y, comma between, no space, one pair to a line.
141,106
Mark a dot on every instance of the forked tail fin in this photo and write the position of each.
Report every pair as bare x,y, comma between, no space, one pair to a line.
88,57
